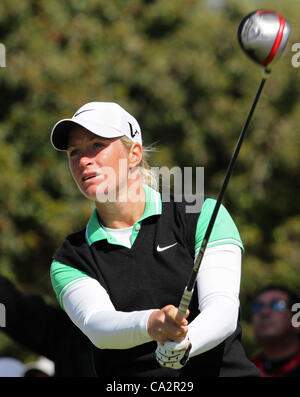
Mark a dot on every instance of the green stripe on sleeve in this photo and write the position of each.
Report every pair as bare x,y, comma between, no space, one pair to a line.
224,230
62,277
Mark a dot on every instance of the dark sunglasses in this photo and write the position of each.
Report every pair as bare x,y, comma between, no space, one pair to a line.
276,305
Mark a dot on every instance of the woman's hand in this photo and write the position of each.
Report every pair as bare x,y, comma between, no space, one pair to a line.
167,324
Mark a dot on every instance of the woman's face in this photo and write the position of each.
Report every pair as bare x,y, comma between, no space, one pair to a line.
99,165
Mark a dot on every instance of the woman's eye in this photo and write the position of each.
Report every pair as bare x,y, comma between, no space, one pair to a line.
73,152
98,145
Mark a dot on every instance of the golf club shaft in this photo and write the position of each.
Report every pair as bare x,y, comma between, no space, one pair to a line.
188,292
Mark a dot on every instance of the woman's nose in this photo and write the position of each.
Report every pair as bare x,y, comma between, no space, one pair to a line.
85,160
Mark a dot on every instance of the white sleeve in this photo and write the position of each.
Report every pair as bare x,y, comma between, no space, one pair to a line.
218,285
90,308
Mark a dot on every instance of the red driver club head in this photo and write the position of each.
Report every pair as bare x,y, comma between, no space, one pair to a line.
263,36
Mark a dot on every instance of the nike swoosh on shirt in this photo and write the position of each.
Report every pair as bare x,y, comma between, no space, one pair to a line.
159,249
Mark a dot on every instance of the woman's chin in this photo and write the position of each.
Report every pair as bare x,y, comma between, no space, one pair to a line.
90,193
99,194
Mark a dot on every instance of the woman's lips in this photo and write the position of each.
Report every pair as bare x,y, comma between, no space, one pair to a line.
91,177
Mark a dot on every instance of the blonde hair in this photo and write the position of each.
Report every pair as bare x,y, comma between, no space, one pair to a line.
148,176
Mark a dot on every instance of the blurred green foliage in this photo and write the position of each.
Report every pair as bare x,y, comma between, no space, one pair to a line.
176,66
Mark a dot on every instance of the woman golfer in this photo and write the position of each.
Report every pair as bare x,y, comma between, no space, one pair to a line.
121,279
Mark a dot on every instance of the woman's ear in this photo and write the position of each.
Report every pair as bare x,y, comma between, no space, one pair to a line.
135,155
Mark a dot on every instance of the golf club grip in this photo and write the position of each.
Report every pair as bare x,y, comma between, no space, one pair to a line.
188,291
185,301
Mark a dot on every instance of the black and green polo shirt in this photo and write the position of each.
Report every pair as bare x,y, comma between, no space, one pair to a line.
144,277
224,231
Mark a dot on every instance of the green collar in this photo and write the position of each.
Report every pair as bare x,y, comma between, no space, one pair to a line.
95,232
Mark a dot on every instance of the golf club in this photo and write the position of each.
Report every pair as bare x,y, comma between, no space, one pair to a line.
263,35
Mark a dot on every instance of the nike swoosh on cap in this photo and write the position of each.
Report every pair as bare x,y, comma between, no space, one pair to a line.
86,110
159,249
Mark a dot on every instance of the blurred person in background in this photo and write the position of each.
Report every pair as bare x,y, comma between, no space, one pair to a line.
275,332
41,368
11,367
45,330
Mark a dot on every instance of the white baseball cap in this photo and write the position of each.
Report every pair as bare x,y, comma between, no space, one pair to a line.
105,119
